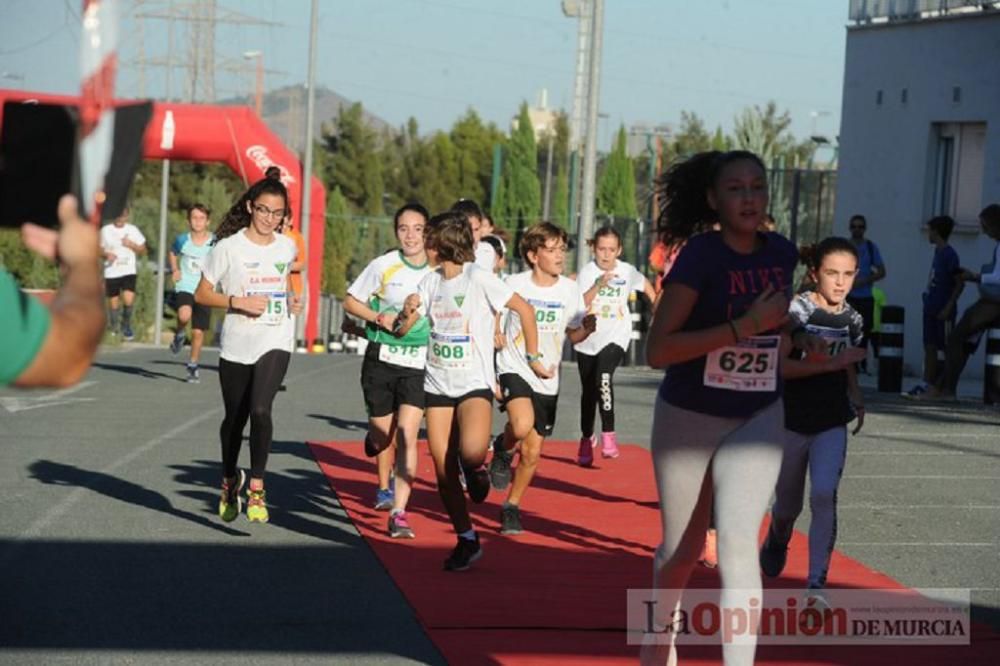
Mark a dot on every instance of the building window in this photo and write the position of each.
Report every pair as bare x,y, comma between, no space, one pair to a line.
878,98
958,161
956,94
903,96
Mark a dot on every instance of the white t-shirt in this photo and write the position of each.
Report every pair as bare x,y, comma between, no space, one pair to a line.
111,241
610,305
486,256
244,268
461,313
556,308
383,286
387,279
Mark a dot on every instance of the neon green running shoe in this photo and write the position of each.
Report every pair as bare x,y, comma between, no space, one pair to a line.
256,509
230,504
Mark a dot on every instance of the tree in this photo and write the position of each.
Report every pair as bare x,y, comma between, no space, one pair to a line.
338,245
765,132
520,195
473,142
616,189
720,141
560,198
354,166
691,138
437,173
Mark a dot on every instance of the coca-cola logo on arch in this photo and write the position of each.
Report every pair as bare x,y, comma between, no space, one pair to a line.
259,155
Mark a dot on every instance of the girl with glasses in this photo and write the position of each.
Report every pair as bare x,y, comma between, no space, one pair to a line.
251,263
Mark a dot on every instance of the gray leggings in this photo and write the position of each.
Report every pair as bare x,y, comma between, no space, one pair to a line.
823,455
701,460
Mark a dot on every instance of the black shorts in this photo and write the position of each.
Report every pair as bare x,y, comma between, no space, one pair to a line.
438,400
115,286
386,387
514,386
201,315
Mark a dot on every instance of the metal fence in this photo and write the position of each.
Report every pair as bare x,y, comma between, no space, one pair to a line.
869,11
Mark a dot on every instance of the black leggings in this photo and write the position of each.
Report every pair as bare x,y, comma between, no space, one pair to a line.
597,375
248,392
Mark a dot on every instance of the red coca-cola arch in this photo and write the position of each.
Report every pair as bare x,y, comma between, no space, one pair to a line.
237,137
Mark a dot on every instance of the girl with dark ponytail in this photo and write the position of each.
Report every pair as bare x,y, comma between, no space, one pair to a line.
251,263
718,328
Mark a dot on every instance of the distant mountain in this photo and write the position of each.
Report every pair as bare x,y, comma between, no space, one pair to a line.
284,112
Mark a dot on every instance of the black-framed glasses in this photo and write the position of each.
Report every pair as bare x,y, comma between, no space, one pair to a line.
264,211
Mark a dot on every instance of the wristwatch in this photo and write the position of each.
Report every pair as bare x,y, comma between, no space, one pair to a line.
531,358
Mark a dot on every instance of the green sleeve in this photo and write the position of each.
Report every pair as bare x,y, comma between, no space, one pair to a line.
21,336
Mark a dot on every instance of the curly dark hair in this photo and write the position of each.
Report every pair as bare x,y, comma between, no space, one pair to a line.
238,217
682,193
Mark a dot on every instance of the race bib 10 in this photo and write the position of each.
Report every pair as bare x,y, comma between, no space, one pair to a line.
751,365
405,357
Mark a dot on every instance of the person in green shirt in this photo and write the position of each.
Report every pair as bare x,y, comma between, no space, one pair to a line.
54,346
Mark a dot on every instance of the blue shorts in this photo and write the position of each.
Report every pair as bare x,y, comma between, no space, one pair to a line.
936,332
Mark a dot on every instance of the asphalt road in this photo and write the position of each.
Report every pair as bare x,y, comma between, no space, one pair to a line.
111,550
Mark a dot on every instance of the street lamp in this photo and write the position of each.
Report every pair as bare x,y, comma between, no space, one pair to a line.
259,88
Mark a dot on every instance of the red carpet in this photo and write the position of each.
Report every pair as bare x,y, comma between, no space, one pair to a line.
556,594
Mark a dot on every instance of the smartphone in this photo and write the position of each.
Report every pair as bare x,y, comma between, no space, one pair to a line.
38,162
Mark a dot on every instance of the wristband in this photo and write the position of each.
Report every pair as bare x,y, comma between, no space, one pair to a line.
531,358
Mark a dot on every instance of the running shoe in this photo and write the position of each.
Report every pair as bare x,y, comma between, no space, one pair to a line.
478,482
585,455
500,464
510,519
814,599
609,445
193,376
773,556
917,390
384,497
465,553
399,526
127,333
710,551
177,343
230,504
256,508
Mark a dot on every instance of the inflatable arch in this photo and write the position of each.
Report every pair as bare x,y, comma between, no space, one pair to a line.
237,137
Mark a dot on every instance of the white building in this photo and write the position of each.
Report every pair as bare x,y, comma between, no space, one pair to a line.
920,136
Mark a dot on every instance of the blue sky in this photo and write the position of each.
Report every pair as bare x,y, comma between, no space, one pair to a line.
433,59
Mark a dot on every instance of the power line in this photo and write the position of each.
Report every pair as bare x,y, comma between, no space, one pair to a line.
37,42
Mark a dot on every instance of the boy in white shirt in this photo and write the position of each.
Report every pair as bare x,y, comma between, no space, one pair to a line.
530,400
121,243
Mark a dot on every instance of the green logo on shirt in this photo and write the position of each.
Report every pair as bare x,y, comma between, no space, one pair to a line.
460,299
280,267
